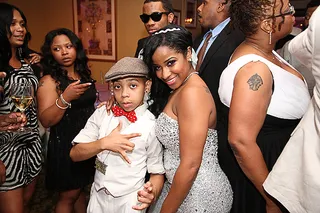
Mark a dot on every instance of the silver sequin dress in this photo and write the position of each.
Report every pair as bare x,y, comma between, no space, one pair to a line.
211,191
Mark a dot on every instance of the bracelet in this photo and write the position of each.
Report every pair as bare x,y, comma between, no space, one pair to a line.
64,101
60,107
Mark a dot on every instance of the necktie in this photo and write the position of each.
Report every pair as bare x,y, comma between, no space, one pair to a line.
202,51
118,111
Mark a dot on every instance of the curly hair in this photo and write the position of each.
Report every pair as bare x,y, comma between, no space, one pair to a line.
176,38
247,14
6,17
313,3
53,68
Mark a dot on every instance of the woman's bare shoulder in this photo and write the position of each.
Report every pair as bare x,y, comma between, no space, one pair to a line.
46,81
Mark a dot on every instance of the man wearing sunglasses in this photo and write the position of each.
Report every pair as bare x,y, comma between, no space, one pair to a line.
213,15
156,15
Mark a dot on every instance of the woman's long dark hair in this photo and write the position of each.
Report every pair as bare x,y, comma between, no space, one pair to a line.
5,49
51,66
176,38
6,16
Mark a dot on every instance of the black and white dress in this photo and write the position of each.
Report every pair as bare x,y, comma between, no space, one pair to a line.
289,102
20,152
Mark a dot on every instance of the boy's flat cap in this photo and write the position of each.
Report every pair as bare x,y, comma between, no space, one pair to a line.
127,67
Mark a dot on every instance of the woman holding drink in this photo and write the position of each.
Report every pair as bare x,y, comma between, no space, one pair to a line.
20,151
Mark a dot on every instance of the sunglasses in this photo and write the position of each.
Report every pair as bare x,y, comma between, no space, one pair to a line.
156,16
291,11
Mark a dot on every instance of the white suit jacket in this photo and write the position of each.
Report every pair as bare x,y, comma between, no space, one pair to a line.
295,178
120,177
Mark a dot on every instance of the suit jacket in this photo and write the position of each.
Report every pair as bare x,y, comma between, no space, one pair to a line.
295,178
217,59
140,46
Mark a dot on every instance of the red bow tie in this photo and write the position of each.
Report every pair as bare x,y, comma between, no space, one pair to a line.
118,111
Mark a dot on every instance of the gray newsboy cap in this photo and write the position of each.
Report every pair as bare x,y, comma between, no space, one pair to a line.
127,67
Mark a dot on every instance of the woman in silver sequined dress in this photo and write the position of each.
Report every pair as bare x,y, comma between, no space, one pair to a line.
186,128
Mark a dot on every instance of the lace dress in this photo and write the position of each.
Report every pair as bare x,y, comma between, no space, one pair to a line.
211,190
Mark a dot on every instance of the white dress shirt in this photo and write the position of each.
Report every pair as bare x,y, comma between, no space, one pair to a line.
215,32
120,177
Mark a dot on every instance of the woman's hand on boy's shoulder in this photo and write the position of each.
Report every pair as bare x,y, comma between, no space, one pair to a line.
108,104
146,196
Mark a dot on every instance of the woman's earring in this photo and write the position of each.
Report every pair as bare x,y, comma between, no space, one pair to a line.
270,37
146,96
111,93
190,59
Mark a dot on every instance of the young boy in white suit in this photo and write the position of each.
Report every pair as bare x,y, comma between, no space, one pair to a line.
125,144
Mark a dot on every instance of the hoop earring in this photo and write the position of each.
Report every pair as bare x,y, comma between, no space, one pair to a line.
270,37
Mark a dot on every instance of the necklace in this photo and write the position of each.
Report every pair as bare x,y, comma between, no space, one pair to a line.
260,50
185,80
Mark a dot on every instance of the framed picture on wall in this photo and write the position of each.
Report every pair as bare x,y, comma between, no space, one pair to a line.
94,23
177,17
191,13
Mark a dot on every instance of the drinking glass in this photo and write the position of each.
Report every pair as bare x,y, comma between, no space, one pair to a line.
21,95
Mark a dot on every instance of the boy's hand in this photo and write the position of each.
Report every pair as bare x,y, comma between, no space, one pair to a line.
145,196
119,143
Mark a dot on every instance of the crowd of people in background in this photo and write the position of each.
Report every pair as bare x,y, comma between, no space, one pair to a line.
222,123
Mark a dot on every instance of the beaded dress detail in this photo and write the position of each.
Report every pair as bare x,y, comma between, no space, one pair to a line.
211,190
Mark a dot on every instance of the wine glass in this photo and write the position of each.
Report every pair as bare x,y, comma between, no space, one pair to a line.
22,95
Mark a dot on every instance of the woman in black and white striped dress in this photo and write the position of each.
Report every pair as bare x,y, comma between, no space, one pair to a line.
20,152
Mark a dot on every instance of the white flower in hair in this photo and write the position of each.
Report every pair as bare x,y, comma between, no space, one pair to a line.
167,30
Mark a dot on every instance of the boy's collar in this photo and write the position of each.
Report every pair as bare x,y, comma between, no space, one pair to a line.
140,110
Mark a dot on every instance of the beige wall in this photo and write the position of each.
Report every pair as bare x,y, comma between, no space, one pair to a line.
45,15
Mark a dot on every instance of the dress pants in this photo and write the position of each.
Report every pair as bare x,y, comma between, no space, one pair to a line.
103,202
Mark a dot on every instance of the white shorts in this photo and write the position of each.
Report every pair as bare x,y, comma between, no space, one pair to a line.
103,202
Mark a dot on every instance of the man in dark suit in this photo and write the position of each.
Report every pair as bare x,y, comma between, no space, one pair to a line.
214,16
156,15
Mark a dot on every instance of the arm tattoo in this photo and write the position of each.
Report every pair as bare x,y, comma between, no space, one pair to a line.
255,82
41,83
207,90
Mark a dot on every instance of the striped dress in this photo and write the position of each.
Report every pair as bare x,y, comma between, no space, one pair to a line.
20,152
